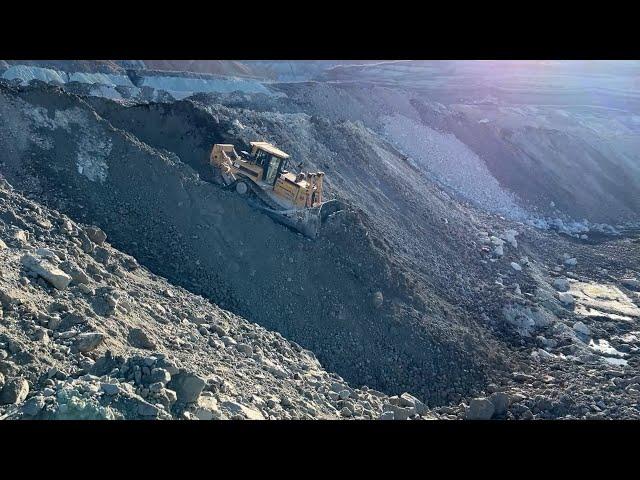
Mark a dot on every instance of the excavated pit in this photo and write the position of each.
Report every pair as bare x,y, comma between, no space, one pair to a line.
153,202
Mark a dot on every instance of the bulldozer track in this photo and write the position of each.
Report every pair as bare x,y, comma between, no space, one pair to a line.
306,221
255,193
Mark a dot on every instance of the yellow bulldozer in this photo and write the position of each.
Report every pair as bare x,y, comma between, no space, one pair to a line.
264,177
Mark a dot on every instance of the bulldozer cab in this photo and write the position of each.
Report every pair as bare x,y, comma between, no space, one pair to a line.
272,160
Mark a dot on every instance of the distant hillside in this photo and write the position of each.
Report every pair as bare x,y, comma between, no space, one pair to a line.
279,70
220,67
90,66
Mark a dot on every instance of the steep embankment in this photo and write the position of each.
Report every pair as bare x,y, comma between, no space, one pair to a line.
87,333
343,297
561,136
541,153
571,162
417,223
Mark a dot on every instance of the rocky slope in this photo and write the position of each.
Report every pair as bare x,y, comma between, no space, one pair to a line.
416,289
561,136
87,333
322,294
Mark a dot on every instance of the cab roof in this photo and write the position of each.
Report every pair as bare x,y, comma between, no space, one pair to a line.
267,147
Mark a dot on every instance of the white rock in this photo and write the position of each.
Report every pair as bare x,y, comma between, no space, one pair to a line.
46,270
236,408
228,341
207,408
408,400
21,236
516,266
498,242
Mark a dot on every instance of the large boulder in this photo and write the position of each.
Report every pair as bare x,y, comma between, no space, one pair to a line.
96,235
238,409
480,409
43,268
15,390
510,236
500,401
86,342
187,386
399,413
566,299
561,284
139,338
408,400
157,375
581,328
